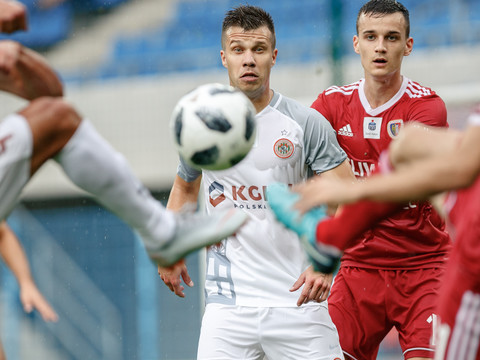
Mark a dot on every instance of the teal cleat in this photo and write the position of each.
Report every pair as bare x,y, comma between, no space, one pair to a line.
325,258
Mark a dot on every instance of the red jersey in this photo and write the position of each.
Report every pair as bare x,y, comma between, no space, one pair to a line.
465,219
463,207
415,237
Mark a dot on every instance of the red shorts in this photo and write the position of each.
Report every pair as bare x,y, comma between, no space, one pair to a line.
458,335
365,304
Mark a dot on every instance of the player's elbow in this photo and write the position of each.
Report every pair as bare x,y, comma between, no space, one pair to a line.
57,89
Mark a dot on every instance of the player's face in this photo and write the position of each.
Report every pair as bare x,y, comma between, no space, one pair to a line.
382,43
249,57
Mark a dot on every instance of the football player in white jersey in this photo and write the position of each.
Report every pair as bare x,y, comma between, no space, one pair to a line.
254,306
50,128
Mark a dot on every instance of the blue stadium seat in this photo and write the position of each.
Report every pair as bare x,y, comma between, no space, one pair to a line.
191,40
90,6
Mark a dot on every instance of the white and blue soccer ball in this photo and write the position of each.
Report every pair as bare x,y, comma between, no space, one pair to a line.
213,127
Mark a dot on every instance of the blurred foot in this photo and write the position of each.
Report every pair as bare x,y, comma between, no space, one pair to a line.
195,231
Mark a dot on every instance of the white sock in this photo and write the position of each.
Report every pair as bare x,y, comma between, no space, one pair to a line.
93,165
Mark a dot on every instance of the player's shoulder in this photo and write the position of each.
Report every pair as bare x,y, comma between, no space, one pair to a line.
292,108
344,90
417,91
298,112
336,97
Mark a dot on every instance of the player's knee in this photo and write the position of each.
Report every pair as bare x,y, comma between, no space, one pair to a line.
63,111
57,112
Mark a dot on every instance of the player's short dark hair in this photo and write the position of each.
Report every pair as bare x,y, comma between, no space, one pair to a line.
248,17
384,7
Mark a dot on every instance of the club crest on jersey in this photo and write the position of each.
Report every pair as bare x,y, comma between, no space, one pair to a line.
283,148
216,193
393,127
372,127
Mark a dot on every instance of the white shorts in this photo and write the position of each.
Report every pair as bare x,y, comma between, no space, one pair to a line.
238,332
16,146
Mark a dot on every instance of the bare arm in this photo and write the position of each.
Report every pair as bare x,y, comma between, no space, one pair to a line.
182,193
429,176
13,16
25,73
342,171
14,256
417,180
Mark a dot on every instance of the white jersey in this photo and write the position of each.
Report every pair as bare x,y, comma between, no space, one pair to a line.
16,146
259,265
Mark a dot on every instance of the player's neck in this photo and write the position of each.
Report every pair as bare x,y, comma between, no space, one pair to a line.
262,101
379,90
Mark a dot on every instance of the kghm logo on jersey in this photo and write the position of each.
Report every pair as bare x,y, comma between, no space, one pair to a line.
283,148
248,197
216,193
393,127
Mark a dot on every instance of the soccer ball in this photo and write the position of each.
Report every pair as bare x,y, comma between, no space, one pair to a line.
213,127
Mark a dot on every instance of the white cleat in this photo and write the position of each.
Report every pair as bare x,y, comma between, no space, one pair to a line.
195,231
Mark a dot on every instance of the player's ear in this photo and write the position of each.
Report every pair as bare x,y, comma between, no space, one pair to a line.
355,44
224,61
274,56
408,46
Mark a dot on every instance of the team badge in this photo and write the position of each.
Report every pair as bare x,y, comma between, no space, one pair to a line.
372,127
216,193
393,127
283,148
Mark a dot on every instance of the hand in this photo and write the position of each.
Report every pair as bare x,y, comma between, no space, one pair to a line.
13,16
9,55
171,277
32,299
316,286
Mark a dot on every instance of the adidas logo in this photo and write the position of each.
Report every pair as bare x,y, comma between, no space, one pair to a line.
346,131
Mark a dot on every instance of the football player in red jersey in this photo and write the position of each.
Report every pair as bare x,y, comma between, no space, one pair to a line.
421,163
391,275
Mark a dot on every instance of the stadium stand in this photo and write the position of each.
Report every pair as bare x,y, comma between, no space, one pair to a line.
300,37
52,23
189,40
94,6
